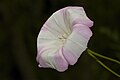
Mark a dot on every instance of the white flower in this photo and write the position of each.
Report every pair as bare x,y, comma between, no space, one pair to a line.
63,38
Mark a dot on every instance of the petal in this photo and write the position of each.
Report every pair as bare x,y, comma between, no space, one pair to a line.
60,62
56,24
76,43
50,56
53,59
83,30
77,15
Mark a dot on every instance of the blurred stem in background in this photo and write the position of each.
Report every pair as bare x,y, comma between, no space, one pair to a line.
21,58
92,53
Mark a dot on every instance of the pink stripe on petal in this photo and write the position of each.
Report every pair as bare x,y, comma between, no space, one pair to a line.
86,22
44,28
39,57
60,62
83,30
38,53
70,57
75,7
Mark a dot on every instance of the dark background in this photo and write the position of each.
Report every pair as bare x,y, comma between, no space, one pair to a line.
20,22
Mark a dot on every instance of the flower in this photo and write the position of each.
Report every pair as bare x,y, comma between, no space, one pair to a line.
63,38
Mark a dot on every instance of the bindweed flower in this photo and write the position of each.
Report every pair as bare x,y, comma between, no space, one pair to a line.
63,38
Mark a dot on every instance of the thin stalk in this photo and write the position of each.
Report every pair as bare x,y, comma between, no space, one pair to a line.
101,63
110,59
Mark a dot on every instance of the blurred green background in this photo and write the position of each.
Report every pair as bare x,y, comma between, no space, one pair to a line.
21,21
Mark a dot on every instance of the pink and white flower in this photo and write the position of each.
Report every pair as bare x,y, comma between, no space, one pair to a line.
63,38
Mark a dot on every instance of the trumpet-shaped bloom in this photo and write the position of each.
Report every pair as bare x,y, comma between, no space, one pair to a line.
63,38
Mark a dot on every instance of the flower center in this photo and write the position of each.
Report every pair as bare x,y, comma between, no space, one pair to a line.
62,38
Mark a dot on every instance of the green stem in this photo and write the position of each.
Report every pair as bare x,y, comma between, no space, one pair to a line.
110,59
101,63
